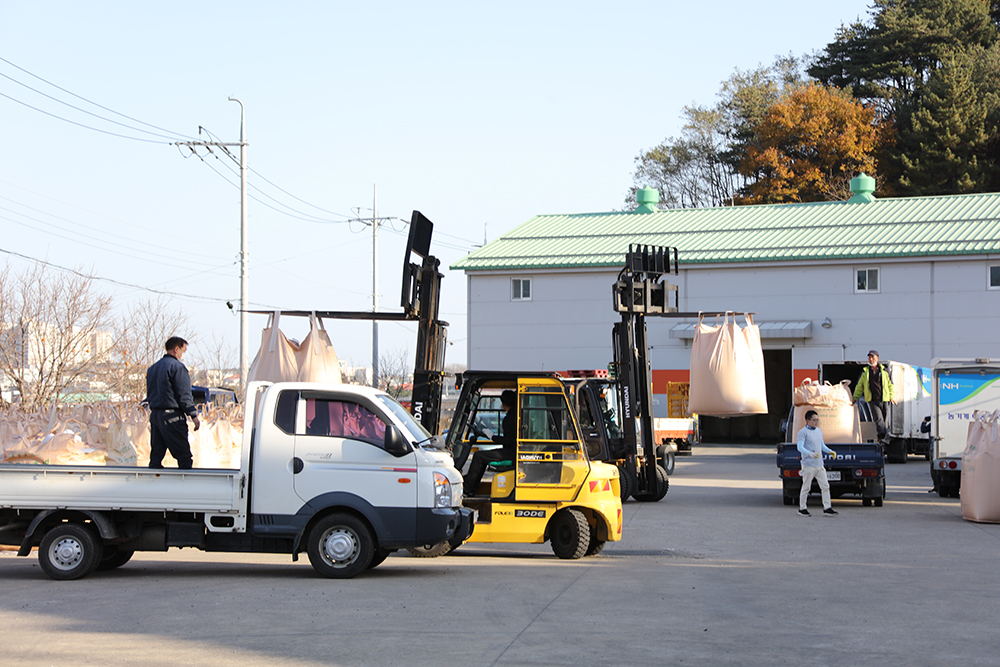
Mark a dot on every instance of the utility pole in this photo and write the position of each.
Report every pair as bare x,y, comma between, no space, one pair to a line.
244,240
375,285
374,221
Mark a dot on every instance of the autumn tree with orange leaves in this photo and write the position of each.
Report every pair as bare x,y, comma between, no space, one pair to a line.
808,146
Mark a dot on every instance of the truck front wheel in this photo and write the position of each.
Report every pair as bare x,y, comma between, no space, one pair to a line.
569,534
340,546
69,551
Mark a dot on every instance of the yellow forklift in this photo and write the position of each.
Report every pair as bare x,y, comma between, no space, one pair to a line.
551,491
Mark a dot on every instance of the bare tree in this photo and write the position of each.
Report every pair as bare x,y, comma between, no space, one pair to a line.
395,371
53,336
212,361
138,342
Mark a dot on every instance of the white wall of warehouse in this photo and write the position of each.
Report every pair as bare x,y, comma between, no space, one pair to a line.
926,308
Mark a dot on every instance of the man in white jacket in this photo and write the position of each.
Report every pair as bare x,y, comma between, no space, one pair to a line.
812,448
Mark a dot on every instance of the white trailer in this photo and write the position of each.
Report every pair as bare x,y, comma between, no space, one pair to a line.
961,386
343,473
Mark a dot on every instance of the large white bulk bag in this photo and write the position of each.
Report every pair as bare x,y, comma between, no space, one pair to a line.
727,369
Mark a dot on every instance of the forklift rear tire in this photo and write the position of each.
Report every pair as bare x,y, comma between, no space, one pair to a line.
569,534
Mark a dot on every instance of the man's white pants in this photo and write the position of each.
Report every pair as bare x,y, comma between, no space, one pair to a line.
819,474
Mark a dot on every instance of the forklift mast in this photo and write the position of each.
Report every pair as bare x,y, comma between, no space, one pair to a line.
637,293
421,295
421,299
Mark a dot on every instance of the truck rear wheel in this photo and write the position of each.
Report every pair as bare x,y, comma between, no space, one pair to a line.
114,558
340,546
667,458
895,451
69,551
569,534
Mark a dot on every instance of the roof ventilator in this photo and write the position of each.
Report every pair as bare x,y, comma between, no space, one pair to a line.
862,189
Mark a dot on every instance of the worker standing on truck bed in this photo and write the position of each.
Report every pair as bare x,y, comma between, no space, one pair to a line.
876,386
168,393
812,448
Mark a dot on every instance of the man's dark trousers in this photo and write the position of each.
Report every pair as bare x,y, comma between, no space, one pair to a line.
168,430
878,416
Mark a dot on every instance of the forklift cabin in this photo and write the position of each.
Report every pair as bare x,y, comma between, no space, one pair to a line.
551,490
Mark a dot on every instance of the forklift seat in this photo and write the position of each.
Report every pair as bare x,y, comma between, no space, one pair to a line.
500,466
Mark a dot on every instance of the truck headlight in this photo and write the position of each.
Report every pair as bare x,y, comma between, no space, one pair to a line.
442,490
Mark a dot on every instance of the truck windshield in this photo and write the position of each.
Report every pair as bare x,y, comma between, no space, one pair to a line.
607,404
415,430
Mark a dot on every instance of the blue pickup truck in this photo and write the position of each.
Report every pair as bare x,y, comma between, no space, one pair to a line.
859,469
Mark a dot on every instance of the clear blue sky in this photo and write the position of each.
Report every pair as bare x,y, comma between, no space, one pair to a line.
479,115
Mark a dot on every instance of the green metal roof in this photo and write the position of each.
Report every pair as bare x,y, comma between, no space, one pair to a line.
905,227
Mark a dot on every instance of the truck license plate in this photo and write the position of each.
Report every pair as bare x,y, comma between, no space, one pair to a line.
833,475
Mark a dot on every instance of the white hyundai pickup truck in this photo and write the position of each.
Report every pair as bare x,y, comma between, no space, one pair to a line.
341,472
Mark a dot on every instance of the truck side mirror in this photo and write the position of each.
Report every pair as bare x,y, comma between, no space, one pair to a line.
394,443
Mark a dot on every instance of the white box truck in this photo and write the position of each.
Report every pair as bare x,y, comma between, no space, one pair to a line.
343,473
961,386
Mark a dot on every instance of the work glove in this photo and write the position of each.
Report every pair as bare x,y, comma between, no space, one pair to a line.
816,455
833,455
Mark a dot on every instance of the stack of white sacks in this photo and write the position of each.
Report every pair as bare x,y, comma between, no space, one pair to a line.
106,434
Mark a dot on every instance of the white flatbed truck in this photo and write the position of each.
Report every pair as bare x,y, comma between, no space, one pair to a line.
364,482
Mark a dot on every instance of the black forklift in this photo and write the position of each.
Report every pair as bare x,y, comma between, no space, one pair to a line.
616,410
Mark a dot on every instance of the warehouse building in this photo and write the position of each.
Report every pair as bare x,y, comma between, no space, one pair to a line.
915,278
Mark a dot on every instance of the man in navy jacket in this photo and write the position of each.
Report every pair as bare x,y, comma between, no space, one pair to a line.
168,393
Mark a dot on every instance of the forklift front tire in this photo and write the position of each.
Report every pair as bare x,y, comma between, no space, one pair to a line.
569,534
430,550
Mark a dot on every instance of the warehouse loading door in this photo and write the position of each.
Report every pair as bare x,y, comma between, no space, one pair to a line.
758,428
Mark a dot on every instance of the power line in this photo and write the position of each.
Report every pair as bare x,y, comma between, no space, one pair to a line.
73,122
294,197
80,97
302,215
109,280
59,201
159,246
89,113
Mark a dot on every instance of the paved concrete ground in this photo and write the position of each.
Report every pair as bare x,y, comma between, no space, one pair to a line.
718,573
